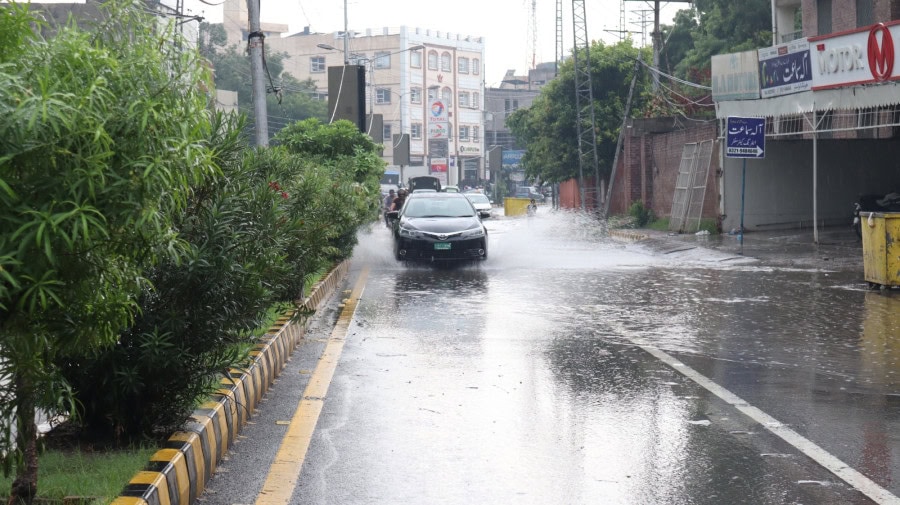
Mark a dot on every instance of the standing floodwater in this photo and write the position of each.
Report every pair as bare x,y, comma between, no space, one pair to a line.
569,368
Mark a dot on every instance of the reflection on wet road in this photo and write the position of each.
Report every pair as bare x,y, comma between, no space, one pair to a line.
525,379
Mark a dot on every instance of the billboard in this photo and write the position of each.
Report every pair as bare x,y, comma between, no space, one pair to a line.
865,56
785,69
735,76
438,120
512,160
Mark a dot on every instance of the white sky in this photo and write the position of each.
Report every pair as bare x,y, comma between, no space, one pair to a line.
504,24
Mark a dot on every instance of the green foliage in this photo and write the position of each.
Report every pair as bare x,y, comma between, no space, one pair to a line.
642,215
295,101
99,142
717,27
548,127
196,317
254,237
352,160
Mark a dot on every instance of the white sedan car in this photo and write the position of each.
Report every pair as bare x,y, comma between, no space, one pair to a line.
481,203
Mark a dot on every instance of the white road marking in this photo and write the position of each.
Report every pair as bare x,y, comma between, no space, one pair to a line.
852,477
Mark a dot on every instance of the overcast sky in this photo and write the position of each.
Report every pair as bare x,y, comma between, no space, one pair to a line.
504,24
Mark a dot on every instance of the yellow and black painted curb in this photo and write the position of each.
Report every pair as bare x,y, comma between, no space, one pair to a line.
178,472
628,235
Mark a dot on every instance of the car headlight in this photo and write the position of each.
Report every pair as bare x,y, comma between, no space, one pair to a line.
473,232
409,232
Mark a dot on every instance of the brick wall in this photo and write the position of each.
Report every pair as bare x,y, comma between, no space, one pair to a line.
648,169
843,14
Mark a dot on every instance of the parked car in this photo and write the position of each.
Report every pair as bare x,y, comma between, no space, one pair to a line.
529,193
482,203
434,226
451,189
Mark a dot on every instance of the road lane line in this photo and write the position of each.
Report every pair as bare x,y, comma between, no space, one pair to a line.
852,477
284,473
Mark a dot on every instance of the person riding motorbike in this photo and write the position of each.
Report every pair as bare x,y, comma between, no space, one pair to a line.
386,206
398,202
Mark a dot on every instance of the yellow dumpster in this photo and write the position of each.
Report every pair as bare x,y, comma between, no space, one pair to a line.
515,206
881,249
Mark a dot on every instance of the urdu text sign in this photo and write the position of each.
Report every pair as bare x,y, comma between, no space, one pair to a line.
745,137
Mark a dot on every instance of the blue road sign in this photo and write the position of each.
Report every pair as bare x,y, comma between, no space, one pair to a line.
745,137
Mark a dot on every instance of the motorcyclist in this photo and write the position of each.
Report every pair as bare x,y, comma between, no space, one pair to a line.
398,202
386,206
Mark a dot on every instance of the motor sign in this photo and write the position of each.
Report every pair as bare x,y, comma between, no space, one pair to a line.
745,137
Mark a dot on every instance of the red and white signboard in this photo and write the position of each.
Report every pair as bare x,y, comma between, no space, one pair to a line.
864,56
438,120
439,165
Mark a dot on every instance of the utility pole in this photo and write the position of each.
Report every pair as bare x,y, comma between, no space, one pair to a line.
257,74
346,37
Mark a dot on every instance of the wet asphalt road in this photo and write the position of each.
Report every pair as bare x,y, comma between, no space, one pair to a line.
573,369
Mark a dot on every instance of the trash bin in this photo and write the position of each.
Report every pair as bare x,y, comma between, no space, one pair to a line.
881,247
515,206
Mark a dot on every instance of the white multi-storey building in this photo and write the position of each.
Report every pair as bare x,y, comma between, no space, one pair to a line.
406,68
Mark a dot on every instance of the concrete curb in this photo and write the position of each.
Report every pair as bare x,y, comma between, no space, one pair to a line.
178,473
628,235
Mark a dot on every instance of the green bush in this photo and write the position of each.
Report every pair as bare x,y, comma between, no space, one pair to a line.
642,215
101,139
255,236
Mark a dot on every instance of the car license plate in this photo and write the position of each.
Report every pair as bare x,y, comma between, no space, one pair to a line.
442,246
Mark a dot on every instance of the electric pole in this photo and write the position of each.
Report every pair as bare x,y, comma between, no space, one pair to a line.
257,74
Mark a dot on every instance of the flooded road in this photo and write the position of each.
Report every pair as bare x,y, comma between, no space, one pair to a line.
572,369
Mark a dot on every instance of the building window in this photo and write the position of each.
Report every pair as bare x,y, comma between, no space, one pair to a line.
415,95
464,99
447,96
415,130
382,95
415,59
432,60
463,133
386,133
511,105
475,133
865,12
823,17
476,66
317,64
445,62
476,103
432,93
462,65
358,59
382,59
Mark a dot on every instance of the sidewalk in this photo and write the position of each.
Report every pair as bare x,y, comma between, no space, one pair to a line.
838,248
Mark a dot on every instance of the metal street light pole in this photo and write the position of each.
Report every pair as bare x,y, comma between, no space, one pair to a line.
346,37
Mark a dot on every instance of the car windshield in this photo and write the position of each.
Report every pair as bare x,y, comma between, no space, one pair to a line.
438,207
478,198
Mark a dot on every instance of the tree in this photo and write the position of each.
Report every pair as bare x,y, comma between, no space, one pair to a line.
288,99
548,127
99,136
719,27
